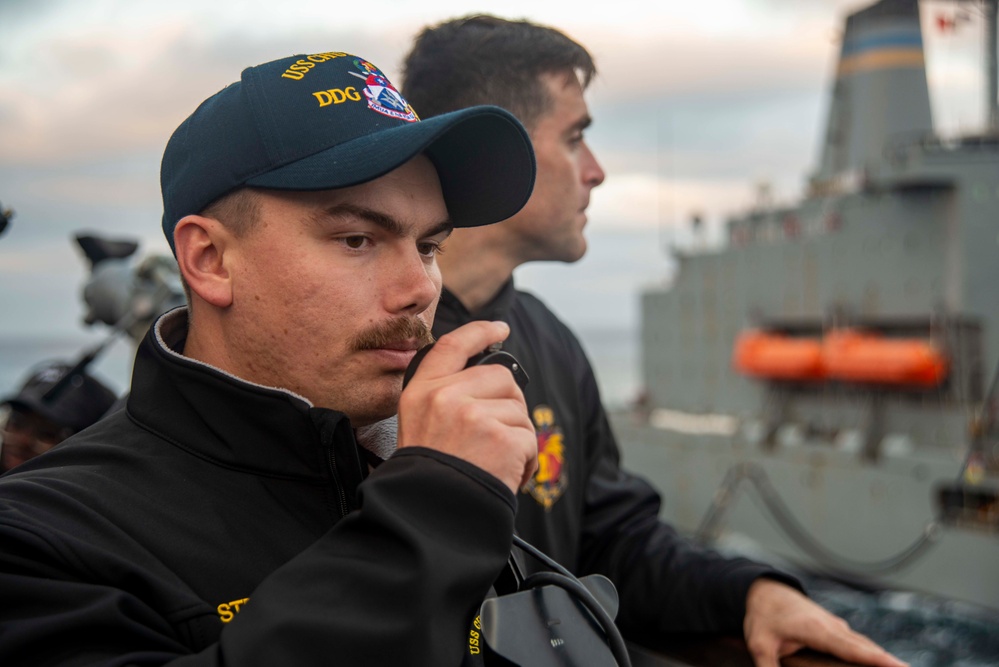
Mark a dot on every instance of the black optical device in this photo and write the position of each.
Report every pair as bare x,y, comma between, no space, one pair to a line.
550,618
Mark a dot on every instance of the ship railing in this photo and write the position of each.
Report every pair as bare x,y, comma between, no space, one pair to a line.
715,651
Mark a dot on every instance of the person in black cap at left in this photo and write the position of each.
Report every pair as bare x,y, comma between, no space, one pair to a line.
48,408
256,502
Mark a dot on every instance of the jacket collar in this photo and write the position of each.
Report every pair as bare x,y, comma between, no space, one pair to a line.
218,416
452,313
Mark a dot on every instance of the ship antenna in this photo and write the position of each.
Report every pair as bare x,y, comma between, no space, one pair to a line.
991,65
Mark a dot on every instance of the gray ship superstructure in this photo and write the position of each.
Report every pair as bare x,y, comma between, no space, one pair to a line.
824,383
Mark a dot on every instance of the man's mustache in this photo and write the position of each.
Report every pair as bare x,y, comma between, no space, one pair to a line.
387,333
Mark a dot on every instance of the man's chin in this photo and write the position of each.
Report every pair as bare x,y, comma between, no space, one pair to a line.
375,409
575,253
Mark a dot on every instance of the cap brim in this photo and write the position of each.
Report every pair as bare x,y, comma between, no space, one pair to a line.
32,404
483,155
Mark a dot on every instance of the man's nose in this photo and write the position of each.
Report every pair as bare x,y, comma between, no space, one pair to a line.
592,172
413,284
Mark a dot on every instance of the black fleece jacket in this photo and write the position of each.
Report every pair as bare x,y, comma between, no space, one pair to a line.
217,522
588,513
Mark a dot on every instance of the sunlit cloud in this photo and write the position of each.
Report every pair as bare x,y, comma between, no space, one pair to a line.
103,93
637,200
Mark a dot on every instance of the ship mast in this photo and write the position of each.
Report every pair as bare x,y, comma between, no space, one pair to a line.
991,67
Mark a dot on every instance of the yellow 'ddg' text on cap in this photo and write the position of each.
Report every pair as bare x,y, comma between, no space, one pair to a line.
337,96
301,67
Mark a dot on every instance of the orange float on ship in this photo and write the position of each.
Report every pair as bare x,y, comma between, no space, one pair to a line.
855,356
778,357
847,355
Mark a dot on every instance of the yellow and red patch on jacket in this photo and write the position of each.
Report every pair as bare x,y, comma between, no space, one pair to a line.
551,480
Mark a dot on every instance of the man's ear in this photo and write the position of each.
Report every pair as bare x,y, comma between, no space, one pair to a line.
200,243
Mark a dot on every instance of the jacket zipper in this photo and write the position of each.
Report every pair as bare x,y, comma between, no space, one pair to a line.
337,484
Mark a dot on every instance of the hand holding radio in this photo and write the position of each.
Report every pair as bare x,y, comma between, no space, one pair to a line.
464,397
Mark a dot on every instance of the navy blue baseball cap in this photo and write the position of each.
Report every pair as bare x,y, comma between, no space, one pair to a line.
331,120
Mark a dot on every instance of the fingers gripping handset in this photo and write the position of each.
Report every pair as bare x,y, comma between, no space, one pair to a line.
455,390
493,354
464,396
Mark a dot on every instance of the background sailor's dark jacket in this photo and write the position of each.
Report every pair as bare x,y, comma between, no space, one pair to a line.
207,524
605,520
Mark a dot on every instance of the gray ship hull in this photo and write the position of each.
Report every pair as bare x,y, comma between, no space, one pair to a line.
861,515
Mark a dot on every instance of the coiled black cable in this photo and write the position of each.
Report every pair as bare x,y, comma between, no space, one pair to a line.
565,580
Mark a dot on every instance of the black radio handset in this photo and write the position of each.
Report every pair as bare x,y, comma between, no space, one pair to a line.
549,621
493,354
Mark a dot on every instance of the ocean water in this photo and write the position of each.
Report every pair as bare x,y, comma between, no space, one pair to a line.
614,355
922,630
925,631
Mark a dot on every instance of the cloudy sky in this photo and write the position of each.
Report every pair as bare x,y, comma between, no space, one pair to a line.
696,104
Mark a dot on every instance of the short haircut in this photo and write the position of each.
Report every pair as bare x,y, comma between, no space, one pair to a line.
483,59
238,210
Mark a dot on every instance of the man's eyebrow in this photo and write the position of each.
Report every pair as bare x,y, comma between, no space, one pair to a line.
440,228
386,222
583,123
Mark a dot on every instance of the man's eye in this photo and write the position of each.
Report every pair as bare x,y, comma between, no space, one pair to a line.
354,242
430,248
